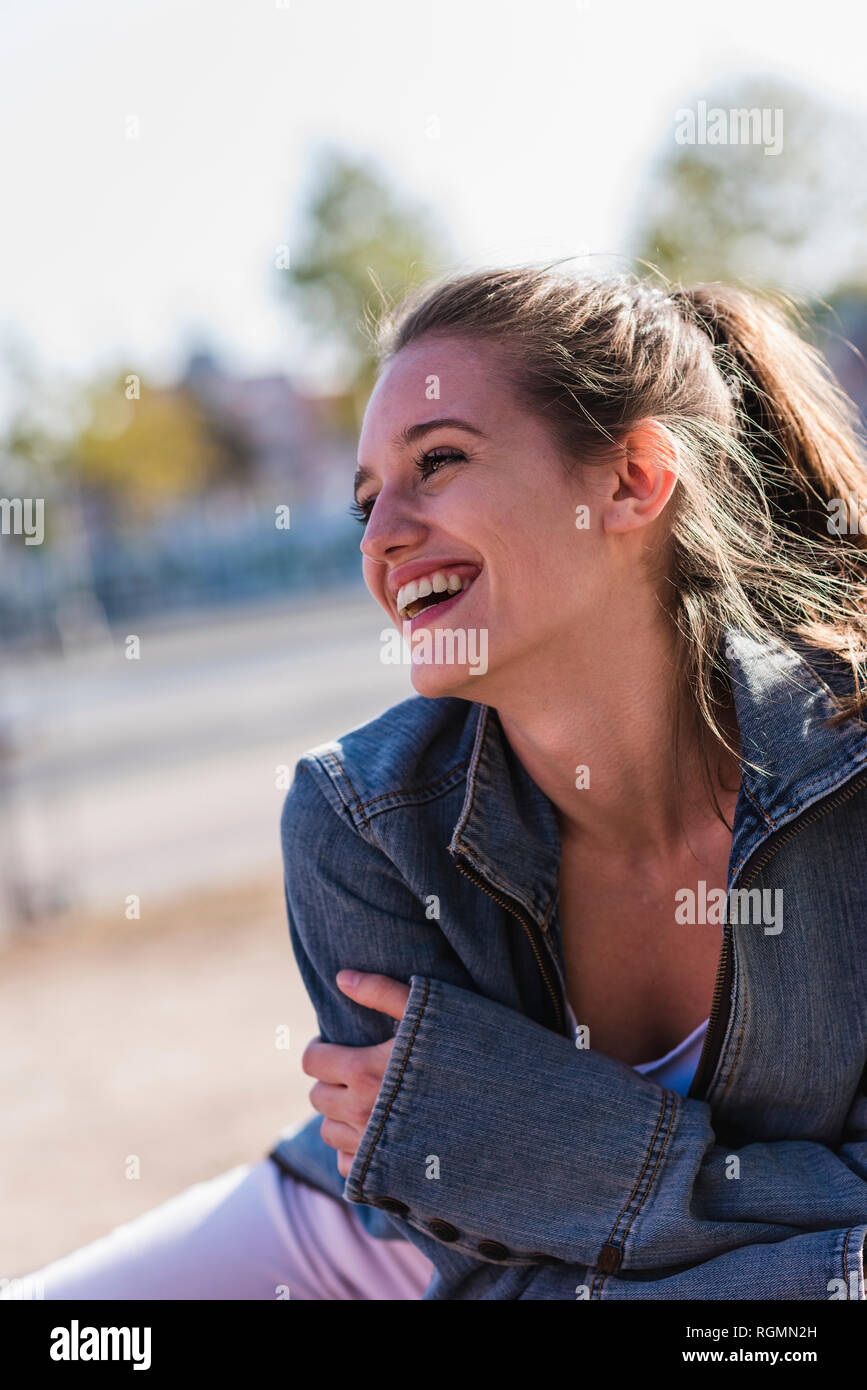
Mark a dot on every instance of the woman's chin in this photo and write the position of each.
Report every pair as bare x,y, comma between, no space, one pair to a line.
437,682
448,660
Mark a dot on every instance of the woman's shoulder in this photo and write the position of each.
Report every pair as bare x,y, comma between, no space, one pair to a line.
416,748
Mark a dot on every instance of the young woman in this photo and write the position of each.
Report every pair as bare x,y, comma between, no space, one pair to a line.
583,920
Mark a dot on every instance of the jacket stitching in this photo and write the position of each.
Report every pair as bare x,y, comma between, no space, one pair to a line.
358,805
845,1270
508,888
394,1091
473,765
757,805
413,791
806,786
647,1190
659,1157
794,806
331,758
740,997
637,1184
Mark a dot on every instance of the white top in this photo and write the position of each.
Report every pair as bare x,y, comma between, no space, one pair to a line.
677,1068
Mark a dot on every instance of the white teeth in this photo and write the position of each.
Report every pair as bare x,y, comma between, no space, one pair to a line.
440,582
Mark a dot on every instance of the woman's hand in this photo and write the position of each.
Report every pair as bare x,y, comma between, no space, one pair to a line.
349,1078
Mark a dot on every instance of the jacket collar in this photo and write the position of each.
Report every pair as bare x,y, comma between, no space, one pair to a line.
507,827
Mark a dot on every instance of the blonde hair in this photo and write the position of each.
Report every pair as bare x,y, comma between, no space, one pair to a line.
767,439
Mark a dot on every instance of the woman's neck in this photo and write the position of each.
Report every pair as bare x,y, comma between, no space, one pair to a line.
609,728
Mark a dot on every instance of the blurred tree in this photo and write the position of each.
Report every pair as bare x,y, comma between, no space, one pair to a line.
34,430
361,248
34,448
146,450
785,210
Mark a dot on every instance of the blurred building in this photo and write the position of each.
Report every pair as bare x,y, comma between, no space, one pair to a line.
221,543
293,448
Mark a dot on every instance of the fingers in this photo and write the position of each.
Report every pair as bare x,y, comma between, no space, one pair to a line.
343,1103
378,992
340,1136
333,1063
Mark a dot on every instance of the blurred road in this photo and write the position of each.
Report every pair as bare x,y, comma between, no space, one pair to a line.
159,1039
153,775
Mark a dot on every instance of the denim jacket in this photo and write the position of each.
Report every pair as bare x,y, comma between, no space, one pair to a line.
418,846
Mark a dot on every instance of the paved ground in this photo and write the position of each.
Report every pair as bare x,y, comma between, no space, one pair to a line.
154,1039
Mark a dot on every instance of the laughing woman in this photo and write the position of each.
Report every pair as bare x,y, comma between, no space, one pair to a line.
584,923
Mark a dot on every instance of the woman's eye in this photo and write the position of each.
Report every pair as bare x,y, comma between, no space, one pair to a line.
427,463
431,461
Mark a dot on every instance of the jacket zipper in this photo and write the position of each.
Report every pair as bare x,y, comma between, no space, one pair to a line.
532,932
717,1019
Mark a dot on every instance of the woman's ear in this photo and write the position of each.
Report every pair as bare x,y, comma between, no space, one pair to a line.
644,475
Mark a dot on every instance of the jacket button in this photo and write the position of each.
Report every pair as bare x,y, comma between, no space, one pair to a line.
492,1249
609,1259
443,1230
392,1204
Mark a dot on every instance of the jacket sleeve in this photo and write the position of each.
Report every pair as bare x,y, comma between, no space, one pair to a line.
815,1265
580,1159
349,908
570,1157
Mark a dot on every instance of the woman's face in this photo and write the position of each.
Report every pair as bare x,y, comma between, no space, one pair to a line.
484,499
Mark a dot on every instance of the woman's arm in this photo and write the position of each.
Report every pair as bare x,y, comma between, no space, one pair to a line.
581,1159
591,1164
349,908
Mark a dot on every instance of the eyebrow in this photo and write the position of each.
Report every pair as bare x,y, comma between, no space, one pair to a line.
410,433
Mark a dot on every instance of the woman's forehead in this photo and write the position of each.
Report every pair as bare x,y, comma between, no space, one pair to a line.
447,378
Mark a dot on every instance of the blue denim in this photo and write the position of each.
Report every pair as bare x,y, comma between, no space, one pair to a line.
418,846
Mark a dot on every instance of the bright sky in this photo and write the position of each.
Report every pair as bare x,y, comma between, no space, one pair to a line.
548,112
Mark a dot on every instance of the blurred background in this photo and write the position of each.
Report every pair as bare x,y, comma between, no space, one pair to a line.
205,206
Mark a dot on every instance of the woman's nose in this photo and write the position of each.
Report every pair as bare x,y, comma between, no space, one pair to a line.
391,527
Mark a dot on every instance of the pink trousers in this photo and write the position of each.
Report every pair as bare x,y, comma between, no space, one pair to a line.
253,1232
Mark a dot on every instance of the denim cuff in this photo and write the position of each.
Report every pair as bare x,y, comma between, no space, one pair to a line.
814,1266
494,1135
490,1160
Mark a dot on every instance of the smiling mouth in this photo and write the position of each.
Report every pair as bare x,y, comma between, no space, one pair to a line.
431,589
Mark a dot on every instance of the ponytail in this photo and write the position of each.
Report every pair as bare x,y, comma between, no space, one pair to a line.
797,422
804,434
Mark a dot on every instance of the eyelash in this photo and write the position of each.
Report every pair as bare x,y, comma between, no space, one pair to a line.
361,510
